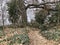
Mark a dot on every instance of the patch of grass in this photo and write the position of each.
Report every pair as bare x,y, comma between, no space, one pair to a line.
21,39
1,28
53,34
1,31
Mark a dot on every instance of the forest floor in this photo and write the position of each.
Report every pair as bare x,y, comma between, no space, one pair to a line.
35,37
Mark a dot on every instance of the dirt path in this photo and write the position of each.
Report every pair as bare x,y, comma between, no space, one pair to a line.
36,39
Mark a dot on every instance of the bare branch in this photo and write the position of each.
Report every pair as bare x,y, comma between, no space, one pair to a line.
39,5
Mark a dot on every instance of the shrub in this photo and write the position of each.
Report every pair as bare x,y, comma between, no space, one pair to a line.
40,16
34,24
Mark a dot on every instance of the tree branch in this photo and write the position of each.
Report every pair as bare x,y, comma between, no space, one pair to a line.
39,5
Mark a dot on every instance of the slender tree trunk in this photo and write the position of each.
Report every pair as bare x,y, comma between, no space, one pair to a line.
2,19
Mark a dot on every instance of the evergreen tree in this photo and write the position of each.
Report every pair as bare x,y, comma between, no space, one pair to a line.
13,17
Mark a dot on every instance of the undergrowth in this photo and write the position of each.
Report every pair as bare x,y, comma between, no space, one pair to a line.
18,38
21,39
53,34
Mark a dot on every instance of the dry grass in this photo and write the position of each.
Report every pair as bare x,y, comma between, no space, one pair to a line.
35,37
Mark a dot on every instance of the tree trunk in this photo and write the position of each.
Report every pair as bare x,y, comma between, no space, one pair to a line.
22,10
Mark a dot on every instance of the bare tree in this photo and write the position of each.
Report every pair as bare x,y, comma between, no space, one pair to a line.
22,10
2,13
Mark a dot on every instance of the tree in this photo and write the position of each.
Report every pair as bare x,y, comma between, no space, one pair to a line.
13,17
19,8
22,10
2,14
54,18
58,13
16,10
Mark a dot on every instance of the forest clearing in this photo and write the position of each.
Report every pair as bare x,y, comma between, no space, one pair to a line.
29,22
